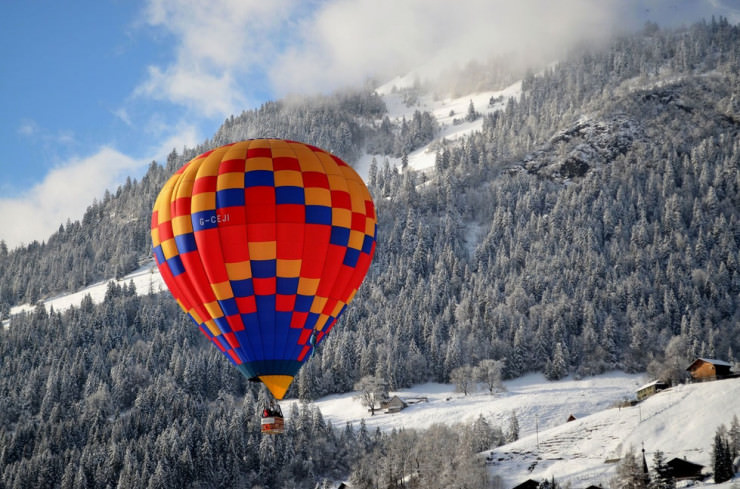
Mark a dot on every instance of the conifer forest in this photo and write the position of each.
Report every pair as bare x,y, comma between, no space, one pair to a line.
590,224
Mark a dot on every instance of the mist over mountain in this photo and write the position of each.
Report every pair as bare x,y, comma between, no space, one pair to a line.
590,224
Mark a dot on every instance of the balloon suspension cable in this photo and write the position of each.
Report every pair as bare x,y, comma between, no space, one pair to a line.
272,408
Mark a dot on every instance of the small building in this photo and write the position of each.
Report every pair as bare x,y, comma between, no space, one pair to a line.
682,469
528,484
393,405
709,369
648,390
571,418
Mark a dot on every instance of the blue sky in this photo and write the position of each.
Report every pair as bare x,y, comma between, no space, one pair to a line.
92,91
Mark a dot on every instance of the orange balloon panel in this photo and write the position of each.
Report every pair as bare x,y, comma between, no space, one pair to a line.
264,243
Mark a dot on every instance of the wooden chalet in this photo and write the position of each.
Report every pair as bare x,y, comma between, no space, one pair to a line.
648,390
709,369
393,405
681,469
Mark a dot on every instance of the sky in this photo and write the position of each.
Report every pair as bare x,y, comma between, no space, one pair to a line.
93,91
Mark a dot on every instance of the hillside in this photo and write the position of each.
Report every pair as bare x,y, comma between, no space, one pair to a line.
680,422
535,400
583,220
593,205
581,452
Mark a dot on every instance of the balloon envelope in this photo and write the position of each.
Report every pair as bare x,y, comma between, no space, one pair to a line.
264,243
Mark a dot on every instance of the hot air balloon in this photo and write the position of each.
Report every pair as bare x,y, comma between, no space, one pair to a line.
264,243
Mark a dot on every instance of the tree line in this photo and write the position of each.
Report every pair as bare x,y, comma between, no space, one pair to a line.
128,394
592,224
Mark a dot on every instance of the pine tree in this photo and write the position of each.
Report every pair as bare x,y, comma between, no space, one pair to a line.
481,435
722,456
662,477
513,432
471,114
557,368
734,435
630,473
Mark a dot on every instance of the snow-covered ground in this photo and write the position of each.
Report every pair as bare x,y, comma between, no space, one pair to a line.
681,422
532,398
146,278
449,112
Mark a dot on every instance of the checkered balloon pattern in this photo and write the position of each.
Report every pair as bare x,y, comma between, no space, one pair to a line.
264,243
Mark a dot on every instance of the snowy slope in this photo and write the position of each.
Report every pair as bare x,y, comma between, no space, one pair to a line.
531,397
680,421
445,111
147,277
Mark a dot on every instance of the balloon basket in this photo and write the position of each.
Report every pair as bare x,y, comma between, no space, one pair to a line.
273,425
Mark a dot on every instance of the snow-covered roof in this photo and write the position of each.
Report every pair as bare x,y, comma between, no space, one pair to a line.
713,361
650,384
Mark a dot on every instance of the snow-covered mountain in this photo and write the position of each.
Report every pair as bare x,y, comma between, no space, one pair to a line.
680,422
644,246
448,112
580,452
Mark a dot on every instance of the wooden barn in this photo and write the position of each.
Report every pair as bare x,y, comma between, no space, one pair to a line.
648,390
709,369
682,469
393,405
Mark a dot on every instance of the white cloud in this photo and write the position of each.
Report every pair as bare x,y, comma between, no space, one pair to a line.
301,47
182,136
67,190
123,115
220,44
207,94
64,194
28,128
347,41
